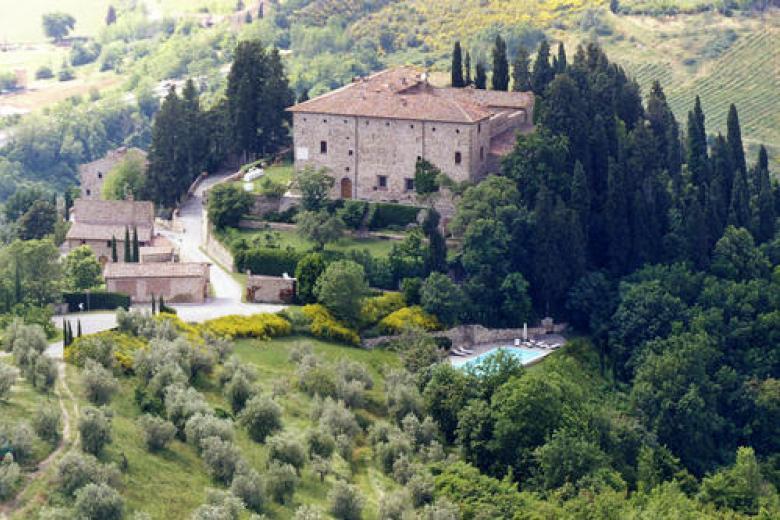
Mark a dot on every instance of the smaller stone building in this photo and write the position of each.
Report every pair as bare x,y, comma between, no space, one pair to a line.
95,222
93,174
156,254
270,289
186,282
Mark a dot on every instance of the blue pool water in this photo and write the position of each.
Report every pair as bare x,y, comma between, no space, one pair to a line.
525,356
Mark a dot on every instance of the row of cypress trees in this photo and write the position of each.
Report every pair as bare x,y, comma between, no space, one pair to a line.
67,332
132,252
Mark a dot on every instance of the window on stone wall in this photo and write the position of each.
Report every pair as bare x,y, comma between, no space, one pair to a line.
108,243
89,192
323,146
100,175
409,184
351,152
457,158
479,128
457,130
481,153
381,181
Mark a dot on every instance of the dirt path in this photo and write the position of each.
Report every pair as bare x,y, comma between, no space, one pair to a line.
67,440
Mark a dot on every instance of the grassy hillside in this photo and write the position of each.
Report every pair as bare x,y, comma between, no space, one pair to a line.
21,21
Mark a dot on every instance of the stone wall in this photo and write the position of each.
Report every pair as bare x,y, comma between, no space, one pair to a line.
467,335
173,289
270,289
216,250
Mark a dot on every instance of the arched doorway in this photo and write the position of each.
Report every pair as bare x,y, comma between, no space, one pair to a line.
346,188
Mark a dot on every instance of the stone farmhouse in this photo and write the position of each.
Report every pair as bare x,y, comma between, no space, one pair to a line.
186,282
92,175
370,133
95,222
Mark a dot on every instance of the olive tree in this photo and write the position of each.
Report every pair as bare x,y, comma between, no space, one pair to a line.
8,376
221,458
261,417
95,430
157,431
99,383
345,501
99,502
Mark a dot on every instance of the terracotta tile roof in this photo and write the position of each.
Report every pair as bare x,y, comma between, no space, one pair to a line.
102,219
504,142
85,231
158,270
403,93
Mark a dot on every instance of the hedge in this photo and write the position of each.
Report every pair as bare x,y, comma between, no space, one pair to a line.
98,300
267,261
385,215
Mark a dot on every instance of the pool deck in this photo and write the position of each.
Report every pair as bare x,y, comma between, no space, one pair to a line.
548,339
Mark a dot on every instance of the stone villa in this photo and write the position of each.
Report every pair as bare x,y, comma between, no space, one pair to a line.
93,174
370,133
95,222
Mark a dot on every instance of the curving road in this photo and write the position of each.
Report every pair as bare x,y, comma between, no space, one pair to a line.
227,291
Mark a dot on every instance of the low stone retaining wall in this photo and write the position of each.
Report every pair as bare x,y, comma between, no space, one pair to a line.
468,335
217,251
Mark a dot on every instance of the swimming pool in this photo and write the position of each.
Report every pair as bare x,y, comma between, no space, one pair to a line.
525,355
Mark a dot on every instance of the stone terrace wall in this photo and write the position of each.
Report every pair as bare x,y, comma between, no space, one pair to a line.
467,335
217,251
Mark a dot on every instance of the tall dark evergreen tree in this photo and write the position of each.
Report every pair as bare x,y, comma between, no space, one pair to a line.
521,75
136,246
696,149
500,77
304,96
722,174
258,93
114,255
734,138
194,139
467,69
560,62
739,209
617,218
542,73
128,252
764,205
168,167
480,77
665,129
580,201
436,258
456,69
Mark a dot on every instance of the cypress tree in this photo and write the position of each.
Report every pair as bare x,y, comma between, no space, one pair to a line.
193,138
111,15
128,255
154,305
78,324
65,332
168,159
114,255
696,231
500,78
722,171
160,305
765,215
304,96
480,77
697,152
617,218
456,70
136,246
436,259
560,63
542,72
467,69
521,76
739,210
734,139
580,197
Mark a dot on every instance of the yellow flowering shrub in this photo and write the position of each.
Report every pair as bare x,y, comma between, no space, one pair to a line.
261,326
98,346
408,318
189,330
324,325
374,309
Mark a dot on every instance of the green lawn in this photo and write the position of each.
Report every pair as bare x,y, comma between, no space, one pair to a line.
172,483
280,174
375,246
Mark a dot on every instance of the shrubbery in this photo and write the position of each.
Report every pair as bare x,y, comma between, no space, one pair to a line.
408,318
106,348
262,326
386,215
374,309
323,325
